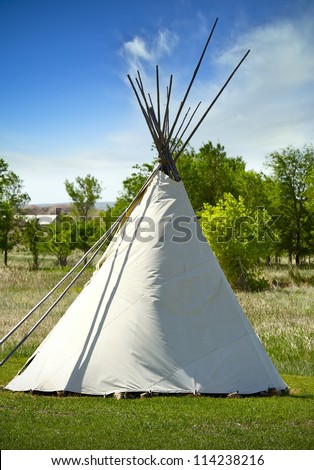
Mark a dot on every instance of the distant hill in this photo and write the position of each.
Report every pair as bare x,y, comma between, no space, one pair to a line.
102,205
61,207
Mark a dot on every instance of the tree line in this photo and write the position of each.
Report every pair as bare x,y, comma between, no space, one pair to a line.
248,217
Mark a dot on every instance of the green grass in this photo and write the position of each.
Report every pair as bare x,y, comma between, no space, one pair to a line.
283,319
49,422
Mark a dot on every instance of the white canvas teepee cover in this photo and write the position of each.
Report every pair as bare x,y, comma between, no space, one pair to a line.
158,315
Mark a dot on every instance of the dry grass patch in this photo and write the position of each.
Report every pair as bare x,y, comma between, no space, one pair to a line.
282,317
20,290
284,321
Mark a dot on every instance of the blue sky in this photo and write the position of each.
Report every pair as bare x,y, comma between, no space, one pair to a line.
67,109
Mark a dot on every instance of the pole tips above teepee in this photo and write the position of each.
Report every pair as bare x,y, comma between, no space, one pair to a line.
168,138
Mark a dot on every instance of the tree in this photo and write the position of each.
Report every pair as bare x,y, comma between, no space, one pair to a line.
309,204
33,235
239,237
292,170
12,201
257,189
210,173
131,186
85,233
59,239
84,194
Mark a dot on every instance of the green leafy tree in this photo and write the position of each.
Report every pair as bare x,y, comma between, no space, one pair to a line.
292,169
210,173
239,237
85,233
309,195
33,237
309,204
258,190
131,186
12,201
84,193
59,239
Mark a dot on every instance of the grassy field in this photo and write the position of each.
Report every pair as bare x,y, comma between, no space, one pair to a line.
48,422
283,319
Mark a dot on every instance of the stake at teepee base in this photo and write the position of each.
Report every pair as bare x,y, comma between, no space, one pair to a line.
158,315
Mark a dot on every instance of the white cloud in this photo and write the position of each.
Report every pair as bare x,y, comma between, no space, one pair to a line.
165,43
269,103
140,50
282,54
137,49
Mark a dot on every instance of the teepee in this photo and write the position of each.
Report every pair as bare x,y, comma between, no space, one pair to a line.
158,314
